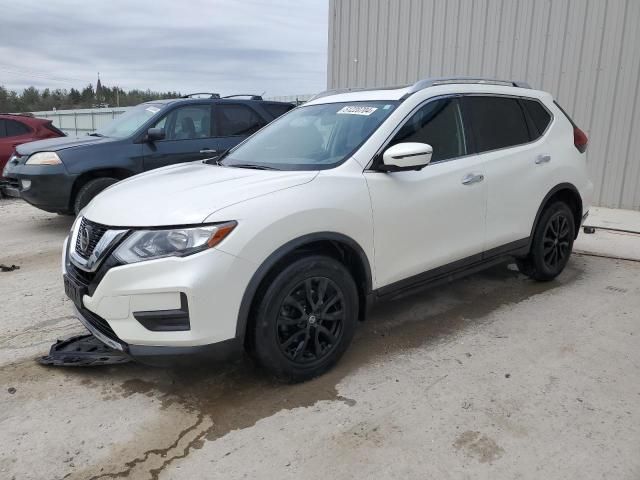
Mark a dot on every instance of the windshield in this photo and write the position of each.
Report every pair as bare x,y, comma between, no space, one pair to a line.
130,121
315,137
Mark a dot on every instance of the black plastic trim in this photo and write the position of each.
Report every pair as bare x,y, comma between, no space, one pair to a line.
553,191
457,269
279,254
167,356
166,320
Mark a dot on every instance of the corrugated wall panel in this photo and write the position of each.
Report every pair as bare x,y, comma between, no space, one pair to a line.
605,96
585,52
619,139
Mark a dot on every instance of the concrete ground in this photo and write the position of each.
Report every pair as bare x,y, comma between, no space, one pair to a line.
493,376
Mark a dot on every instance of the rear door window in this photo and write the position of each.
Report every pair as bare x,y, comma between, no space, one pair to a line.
497,122
3,132
238,120
539,115
277,109
15,129
439,124
187,123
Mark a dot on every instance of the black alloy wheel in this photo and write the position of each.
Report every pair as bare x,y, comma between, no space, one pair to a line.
310,323
557,241
304,318
551,244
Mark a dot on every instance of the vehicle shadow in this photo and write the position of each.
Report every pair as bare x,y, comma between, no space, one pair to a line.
237,395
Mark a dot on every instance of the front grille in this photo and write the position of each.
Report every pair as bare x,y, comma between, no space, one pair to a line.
82,277
94,231
13,182
100,324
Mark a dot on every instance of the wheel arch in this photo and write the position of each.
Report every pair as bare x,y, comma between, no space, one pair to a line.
340,246
83,178
569,194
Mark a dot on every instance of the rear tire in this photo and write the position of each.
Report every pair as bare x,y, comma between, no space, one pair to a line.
90,190
551,245
306,318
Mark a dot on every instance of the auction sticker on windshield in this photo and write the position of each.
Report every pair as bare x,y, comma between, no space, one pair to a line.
355,110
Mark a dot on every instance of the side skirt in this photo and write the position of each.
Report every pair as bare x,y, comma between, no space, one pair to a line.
455,270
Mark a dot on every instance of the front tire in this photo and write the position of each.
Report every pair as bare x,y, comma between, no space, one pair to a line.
552,244
306,318
90,190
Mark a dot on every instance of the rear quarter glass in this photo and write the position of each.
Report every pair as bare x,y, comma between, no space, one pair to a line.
580,139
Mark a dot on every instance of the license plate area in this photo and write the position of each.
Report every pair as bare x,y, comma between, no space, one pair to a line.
74,290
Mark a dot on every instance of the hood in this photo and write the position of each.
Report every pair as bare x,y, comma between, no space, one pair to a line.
59,143
185,194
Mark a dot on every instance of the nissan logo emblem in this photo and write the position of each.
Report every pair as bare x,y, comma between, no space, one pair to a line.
84,236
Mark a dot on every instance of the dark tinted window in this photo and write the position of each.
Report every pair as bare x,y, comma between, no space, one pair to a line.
497,122
439,124
187,123
238,120
538,114
277,109
16,128
2,130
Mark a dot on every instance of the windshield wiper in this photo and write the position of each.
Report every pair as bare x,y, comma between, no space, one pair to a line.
217,160
251,165
95,134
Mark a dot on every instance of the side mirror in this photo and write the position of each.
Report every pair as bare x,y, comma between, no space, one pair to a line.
154,134
406,156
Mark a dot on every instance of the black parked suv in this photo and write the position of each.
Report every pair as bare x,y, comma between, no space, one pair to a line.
63,174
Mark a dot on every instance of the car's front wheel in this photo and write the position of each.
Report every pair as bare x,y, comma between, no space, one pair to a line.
306,318
551,245
90,190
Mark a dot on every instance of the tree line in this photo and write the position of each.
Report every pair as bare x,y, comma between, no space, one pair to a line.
32,99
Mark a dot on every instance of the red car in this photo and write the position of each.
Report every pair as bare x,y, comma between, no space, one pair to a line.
18,129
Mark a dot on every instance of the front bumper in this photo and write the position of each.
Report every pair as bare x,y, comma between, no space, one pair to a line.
212,282
161,355
47,187
9,188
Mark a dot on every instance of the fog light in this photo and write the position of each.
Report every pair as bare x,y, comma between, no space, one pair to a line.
26,184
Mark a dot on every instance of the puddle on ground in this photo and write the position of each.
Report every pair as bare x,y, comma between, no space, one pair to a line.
236,396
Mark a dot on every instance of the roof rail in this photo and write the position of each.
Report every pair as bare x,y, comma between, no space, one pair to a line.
432,82
248,95
426,83
191,95
337,91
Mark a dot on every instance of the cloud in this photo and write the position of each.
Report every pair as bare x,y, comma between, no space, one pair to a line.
227,46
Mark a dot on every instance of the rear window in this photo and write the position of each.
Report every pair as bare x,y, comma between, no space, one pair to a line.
277,109
238,120
15,129
497,122
54,129
538,114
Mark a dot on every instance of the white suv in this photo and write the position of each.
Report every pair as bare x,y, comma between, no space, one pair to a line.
279,245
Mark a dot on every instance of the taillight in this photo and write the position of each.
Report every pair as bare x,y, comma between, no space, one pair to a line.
580,139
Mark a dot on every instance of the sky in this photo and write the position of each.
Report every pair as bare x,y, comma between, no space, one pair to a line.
224,46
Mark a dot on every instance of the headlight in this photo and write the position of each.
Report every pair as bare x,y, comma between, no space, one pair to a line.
44,158
149,244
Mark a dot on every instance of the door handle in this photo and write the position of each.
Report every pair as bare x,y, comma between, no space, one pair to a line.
208,150
543,159
472,178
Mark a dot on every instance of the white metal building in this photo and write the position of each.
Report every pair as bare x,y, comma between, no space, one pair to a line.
585,52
